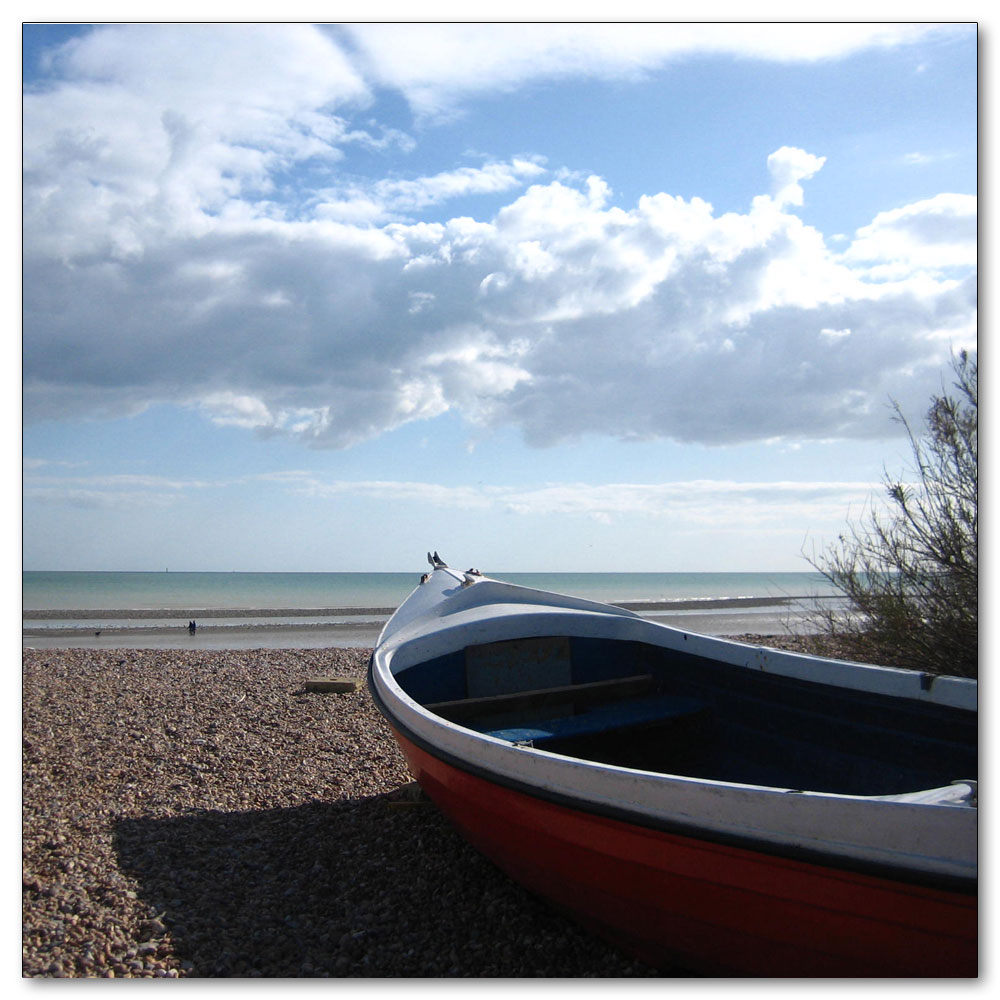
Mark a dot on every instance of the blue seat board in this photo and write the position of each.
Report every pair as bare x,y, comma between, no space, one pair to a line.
604,718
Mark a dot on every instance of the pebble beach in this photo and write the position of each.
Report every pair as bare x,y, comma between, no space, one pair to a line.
203,814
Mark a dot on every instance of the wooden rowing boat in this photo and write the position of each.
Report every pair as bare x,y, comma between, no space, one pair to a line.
732,809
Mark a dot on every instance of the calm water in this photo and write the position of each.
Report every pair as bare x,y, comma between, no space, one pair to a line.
240,610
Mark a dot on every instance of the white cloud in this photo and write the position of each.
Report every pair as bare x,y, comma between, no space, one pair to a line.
233,410
163,264
436,65
491,178
698,505
935,235
387,199
701,504
97,499
562,316
108,492
788,166
162,125
919,159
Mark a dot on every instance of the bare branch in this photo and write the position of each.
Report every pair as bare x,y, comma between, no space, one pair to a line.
912,577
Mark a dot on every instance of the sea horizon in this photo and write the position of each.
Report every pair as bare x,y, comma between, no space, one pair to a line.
236,609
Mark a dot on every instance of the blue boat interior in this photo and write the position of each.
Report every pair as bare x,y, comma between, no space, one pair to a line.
643,706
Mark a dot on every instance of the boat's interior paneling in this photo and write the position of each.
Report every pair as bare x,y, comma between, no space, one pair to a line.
681,713
440,679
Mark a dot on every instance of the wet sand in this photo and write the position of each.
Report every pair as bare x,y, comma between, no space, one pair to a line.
723,616
99,614
207,637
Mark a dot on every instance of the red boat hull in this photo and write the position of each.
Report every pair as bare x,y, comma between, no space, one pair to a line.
674,901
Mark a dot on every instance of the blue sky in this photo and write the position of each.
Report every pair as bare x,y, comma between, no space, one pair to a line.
541,297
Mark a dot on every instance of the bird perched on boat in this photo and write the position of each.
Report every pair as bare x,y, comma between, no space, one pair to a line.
436,561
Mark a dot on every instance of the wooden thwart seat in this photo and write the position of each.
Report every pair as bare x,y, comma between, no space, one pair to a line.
617,688
616,705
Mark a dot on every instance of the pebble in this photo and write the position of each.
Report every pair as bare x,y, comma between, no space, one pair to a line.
203,814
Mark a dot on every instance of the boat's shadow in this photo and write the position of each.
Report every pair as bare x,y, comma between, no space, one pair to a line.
380,886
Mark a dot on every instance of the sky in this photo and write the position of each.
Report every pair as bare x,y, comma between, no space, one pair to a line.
542,297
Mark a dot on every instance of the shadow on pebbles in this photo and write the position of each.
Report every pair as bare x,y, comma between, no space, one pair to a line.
204,815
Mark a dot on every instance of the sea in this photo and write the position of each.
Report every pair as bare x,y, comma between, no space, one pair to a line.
313,610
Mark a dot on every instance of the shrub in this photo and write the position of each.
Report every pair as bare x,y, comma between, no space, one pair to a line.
911,575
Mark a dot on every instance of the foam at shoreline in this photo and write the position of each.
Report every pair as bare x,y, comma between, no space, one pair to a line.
107,614
102,614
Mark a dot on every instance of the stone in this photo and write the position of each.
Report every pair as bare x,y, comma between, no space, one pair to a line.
283,856
335,685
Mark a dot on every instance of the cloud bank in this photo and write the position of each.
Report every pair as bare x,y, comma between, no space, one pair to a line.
691,505
189,240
